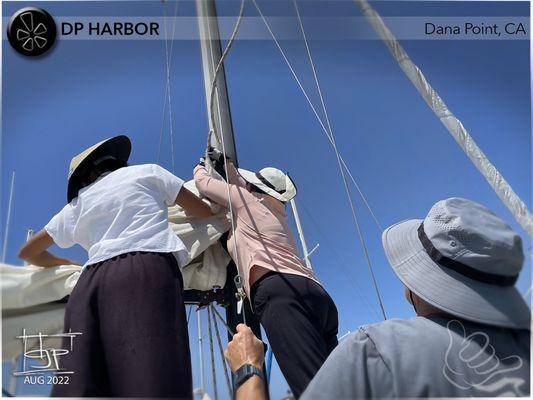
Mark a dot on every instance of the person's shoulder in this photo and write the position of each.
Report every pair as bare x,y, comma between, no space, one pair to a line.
403,330
141,167
140,170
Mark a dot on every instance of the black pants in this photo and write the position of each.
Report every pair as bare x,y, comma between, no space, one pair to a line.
301,322
134,340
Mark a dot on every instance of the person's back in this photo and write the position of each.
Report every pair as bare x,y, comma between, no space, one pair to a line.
472,331
298,315
432,356
103,224
131,285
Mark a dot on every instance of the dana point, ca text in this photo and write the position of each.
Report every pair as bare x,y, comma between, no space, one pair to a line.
472,29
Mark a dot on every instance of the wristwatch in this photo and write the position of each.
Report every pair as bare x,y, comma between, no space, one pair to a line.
244,373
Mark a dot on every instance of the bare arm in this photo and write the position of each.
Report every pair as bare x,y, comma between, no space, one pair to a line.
192,204
253,388
245,348
34,251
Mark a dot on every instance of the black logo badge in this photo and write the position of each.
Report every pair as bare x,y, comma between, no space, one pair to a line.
31,31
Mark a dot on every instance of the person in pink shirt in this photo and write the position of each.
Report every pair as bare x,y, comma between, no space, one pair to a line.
298,315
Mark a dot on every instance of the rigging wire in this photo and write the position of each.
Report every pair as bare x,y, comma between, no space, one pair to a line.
217,314
311,105
332,141
341,169
378,224
221,350
342,261
168,91
213,370
189,315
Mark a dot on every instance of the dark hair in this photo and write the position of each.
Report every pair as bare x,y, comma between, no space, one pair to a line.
98,167
255,189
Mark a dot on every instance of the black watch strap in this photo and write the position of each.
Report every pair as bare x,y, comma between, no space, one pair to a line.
244,373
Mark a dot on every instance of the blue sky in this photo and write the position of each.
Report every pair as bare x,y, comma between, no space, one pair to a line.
403,158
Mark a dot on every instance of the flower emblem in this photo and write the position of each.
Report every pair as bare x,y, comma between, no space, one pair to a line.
30,34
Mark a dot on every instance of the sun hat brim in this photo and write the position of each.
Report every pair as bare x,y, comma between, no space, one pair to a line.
448,290
290,187
118,147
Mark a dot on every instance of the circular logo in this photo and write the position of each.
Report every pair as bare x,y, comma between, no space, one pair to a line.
31,31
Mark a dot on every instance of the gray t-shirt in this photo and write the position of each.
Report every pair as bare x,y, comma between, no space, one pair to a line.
425,357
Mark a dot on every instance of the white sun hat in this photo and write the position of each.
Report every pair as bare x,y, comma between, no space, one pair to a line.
462,259
272,181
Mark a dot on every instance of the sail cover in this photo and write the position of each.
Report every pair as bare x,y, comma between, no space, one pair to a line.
31,295
502,188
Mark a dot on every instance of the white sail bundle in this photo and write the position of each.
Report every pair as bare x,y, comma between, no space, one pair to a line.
504,191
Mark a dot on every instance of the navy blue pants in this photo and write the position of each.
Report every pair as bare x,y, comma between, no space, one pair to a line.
301,323
134,340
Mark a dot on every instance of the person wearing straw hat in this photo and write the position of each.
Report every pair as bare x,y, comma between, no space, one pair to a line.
471,335
127,303
298,315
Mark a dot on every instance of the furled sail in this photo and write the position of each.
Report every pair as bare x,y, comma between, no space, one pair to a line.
502,188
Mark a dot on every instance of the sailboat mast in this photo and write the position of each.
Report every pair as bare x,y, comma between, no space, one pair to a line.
301,234
8,219
211,54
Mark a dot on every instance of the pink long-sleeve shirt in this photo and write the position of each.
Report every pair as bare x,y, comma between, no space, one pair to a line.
264,241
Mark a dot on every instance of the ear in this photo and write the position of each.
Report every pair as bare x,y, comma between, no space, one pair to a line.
407,294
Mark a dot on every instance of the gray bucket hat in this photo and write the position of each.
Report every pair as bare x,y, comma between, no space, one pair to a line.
462,259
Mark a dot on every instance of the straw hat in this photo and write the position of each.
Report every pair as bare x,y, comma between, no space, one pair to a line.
272,181
462,259
118,147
